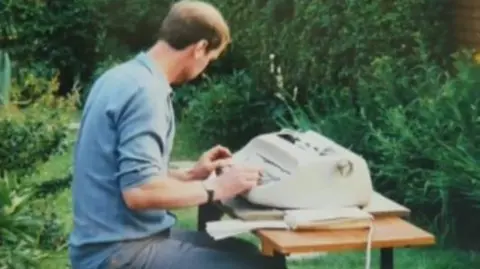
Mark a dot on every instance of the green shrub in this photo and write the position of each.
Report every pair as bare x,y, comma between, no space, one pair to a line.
73,36
51,235
229,110
18,227
28,227
34,126
328,44
33,84
28,141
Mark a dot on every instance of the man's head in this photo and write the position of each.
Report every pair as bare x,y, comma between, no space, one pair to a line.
198,32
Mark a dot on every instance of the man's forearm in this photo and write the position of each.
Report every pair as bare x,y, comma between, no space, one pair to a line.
181,174
169,193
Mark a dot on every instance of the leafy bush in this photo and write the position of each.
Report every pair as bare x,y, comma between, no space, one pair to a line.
28,227
27,142
18,227
31,132
33,127
74,36
329,44
229,110
325,43
51,235
419,134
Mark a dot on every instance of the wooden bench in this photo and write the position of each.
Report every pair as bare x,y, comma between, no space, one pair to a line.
391,230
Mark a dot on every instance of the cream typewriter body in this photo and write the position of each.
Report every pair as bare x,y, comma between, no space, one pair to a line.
305,170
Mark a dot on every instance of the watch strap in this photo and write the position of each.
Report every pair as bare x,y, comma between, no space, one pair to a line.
210,193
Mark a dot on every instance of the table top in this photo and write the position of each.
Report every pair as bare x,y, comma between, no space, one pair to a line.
389,232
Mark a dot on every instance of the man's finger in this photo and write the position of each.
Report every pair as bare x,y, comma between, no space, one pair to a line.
252,175
217,152
220,152
222,163
222,148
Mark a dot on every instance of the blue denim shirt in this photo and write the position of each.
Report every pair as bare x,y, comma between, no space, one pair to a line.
125,138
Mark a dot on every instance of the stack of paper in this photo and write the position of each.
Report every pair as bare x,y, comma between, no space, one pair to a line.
228,228
325,219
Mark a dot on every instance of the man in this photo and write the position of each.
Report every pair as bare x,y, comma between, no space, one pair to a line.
122,188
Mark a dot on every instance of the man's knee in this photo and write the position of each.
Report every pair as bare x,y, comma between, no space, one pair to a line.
153,252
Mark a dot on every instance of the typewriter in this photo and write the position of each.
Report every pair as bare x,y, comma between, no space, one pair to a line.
305,170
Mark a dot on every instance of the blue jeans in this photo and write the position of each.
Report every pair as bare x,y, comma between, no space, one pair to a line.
190,250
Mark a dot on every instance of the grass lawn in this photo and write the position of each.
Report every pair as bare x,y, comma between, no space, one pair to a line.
186,146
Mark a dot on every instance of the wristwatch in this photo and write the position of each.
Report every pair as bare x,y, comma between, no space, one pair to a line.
210,192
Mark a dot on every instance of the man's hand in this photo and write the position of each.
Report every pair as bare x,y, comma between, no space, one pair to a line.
210,160
233,181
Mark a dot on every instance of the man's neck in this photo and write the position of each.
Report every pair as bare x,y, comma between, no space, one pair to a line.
166,60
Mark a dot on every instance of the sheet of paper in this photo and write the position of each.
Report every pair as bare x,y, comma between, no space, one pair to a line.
227,228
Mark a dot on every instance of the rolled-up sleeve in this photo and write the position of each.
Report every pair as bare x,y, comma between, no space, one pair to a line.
141,130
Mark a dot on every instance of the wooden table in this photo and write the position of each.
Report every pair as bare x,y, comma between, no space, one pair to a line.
391,230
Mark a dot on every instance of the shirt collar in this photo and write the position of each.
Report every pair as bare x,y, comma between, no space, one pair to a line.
148,62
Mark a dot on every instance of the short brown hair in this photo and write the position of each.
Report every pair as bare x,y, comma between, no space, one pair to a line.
188,22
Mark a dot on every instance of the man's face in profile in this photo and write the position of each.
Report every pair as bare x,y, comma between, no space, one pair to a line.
197,59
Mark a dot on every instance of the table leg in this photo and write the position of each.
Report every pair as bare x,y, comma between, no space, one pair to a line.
386,258
280,260
206,213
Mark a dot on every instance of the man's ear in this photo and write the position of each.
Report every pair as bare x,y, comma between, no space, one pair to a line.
200,49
